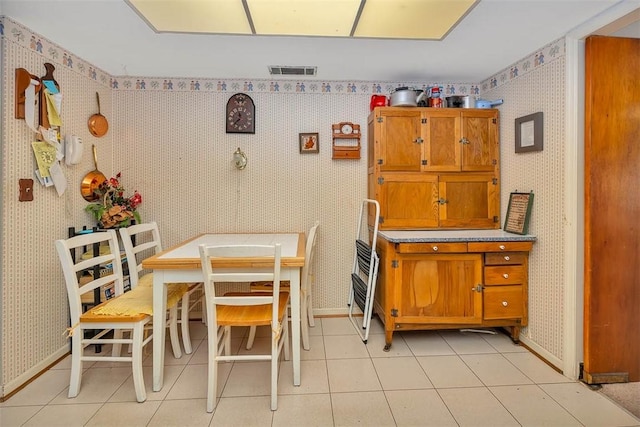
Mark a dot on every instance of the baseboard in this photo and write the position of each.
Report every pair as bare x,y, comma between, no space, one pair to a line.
329,312
33,373
543,354
606,377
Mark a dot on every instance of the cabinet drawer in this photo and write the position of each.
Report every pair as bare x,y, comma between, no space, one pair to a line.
499,246
504,275
505,258
429,248
503,302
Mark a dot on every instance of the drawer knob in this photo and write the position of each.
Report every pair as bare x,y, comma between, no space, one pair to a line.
502,247
507,257
504,303
505,275
435,249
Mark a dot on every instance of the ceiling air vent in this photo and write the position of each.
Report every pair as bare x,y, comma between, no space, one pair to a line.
285,70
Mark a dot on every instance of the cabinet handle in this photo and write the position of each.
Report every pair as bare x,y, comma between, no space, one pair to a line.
507,257
477,288
418,140
502,247
443,201
505,275
464,140
435,248
504,303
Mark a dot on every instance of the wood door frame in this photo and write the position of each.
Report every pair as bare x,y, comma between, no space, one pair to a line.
573,345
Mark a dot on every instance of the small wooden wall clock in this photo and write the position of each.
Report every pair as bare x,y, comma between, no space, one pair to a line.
346,140
241,114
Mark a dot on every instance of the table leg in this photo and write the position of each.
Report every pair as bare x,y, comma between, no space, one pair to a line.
159,310
294,288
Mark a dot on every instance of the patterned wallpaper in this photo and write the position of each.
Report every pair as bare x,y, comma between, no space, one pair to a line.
543,173
167,138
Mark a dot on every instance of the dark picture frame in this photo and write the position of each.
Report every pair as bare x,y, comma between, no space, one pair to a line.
309,142
529,133
518,213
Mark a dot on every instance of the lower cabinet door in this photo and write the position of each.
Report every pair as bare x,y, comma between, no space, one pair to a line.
469,201
440,288
407,200
503,302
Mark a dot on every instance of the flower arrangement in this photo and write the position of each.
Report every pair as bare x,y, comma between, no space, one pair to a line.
114,209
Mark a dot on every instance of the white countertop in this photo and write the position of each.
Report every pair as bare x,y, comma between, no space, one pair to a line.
440,235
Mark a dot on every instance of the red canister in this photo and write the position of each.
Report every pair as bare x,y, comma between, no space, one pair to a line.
377,101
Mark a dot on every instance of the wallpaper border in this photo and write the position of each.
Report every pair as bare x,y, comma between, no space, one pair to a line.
18,33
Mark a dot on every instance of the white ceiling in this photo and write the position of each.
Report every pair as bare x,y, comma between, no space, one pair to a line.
495,34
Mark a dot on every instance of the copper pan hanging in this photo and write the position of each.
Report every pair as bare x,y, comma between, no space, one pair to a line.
98,124
92,181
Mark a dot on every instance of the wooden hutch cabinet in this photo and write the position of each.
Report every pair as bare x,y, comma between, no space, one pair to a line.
444,262
434,167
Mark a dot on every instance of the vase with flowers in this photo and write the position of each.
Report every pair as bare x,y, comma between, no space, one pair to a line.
113,208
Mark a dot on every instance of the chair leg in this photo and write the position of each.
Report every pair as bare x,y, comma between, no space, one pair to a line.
227,340
76,362
274,369
184,323
252,337
203,309
173,332
285,337
309,299
116,349
304,325
212,371
136,362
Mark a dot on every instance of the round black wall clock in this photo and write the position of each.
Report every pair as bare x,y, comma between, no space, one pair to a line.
241,114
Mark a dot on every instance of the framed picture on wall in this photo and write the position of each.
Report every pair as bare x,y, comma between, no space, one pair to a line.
518,213
529,135
308,143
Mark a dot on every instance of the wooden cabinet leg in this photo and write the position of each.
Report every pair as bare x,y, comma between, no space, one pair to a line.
388,337
515,334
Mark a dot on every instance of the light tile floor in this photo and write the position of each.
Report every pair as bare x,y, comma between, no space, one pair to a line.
429,378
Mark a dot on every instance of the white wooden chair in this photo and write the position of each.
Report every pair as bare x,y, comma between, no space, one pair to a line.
125,316
147,243
306,290
243,309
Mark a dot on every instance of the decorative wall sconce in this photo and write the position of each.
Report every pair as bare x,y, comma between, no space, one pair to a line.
240,159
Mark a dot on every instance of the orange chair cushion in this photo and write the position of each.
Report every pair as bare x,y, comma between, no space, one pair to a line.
249,315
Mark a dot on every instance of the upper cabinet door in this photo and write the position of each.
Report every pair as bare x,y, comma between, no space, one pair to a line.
400,142
479,140
442,135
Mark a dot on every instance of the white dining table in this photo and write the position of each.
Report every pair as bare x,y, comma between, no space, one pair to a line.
181,264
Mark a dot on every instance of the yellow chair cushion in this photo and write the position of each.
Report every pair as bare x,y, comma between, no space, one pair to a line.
137,301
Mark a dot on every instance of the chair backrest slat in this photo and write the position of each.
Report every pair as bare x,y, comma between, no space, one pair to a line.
263,254
147,242
109,265
310,250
